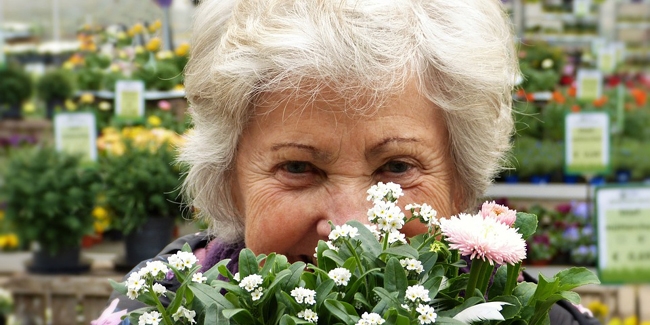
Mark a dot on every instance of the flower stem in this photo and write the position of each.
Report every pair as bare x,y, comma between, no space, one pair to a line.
160,307
360,265
474,276
511,279
486,274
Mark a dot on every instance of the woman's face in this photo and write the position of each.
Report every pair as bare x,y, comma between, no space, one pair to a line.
301,164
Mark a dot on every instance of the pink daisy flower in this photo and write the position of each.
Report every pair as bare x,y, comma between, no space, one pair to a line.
500,212
484,238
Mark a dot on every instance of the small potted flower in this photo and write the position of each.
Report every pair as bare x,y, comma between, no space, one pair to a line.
141,183
49,199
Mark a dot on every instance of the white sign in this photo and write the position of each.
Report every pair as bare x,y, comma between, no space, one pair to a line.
623,219
589,84
76,133
129,99
587,143
581,7
608,58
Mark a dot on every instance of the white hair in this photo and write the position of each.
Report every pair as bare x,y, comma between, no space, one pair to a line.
461,53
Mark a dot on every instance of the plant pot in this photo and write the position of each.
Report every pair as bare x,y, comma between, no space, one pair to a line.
540,179
623,175
66,261
12,112
147,241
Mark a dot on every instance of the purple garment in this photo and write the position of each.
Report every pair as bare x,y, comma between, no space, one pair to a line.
164,3
217,251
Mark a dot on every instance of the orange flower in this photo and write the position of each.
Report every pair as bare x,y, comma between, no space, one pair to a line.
572,91
575,108
640,97
558,97
600,102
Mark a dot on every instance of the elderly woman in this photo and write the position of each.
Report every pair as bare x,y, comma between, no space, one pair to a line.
299,106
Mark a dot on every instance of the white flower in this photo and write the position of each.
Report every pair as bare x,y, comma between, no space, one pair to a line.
396,236
370,319
374,231
417,293
251,282
482,238
199,278
386,215
135,285
185,313
427,314
343,231
156,269
308,315
340,275
236,277
304,295
331,246
412,264
152,318
182,260
159,289
256,294
429,214
389,192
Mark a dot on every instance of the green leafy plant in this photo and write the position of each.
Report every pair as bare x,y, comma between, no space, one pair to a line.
50,196
55,85
367,275
140,176
15,86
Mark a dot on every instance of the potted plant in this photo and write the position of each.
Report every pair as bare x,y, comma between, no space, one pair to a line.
141,183
15,88
54,88
49,199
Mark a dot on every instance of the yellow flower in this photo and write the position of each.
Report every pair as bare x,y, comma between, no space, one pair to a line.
154,120
599,309
615,321
104,106
117,148
139,49
122,35
100,213
29,107
3,241
162,55
179,87
632,320
12,240
155,26
137,28
87,98
101,225
70,105
183,49
68,65
2,214
645,322
154,44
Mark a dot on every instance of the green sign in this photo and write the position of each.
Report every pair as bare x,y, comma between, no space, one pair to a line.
76,133
587,143
623,228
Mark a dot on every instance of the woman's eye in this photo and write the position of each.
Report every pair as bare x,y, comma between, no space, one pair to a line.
297,167
396,167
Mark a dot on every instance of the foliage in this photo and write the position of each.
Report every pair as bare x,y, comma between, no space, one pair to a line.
160,75
6,302
140,175
15,85
356,277
55,85
50,196
541,66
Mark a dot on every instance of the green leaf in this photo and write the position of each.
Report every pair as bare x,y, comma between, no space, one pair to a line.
524,291
342,310
213,273
576,276
499,282
269,263
509,311
118,286
213,315
292,320
545,288
395,277
369,242
433,285
325,263
247,263
239,315
295,273
333,256
322,291
448,321
186,248
428,261
401,251
387,295
208,295
526,224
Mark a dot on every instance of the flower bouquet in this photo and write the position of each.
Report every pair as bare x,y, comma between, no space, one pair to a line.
368,274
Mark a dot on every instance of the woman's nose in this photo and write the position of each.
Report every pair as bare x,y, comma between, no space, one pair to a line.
348,204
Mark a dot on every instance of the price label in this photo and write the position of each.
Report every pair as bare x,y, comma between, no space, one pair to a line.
607,58
76,133
623,215
129,99
587,143
589,84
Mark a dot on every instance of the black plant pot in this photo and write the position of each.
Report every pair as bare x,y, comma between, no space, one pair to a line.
51,106
67,261
147,241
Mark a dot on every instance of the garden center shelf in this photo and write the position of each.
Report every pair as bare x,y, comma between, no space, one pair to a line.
541,191
148,95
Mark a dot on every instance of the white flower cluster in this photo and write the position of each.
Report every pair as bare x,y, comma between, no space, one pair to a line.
152,318
411,264
386,215
370,319
427,314
417,293
182,260
183,312
136,284
340,275
308,315
425,212
380,192
305,295
344,231
252,284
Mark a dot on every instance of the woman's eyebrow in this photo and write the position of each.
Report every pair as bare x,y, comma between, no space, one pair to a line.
381,147
316,154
